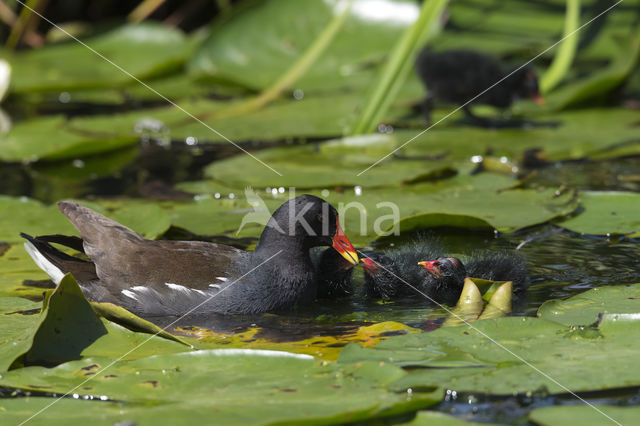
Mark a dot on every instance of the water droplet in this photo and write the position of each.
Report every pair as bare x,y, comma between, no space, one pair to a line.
281,190
324,193
476,159
64,97
232,195
216,195
357,190
78,163
190,140
298,94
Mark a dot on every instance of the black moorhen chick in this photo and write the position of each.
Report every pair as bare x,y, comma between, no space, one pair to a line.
457,76
333,274
494,266
386,274
173,277
389,280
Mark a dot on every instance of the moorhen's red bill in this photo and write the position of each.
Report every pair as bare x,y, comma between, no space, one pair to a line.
173,277
458,76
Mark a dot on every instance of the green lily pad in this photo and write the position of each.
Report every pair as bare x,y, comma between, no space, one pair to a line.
70,329
19,275
50,138
585,133
606,213
584,415
229,382
462,201
535,356
313,116
436,418
584,308
18,320
26,215
144,50
256,46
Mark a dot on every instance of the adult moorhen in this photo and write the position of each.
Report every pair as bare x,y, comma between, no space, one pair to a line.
174,277
458,76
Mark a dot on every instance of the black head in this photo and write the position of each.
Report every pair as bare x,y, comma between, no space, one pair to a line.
525,85
448,269
307,221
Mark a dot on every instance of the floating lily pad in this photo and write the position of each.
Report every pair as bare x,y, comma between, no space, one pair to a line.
70,329
18,320
50,138
606,213
584,308
259,44
435,418
229,382
143,50
532,355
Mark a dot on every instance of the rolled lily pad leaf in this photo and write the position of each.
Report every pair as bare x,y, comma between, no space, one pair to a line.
18,320
500,303
585,308
584,415
605,213
257,45
468,307
225,384
144,50
70,329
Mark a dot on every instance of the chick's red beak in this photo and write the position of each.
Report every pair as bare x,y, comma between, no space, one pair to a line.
343,246
368,264
431,266
537,98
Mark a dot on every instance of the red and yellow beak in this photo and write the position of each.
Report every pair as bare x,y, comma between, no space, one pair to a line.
431,266
343,246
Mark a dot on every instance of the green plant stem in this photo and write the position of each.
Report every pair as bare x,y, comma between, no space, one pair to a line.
398,66
566,52
20,25
143,10
293,74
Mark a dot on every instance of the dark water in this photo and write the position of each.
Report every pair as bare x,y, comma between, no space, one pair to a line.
561,264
